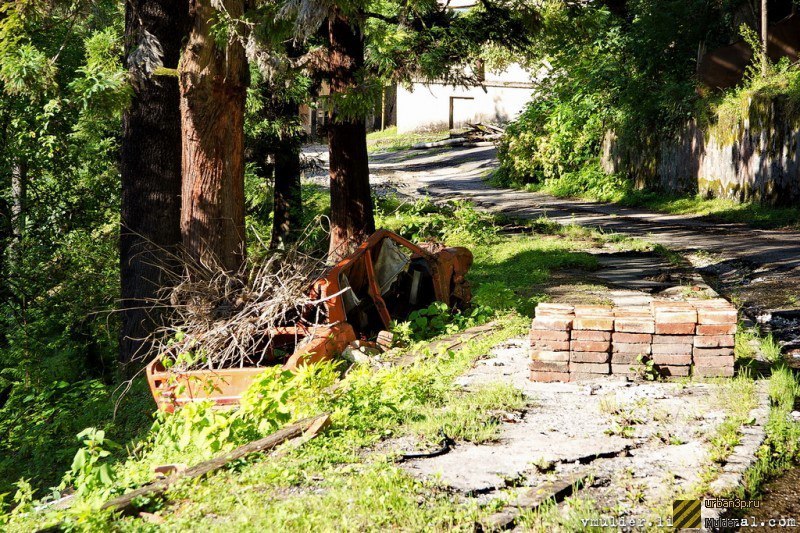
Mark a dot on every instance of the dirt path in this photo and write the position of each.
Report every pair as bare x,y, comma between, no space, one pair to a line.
766,261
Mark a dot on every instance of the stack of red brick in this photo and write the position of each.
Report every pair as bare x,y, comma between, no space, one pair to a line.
570,343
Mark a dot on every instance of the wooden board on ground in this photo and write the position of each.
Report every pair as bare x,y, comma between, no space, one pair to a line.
453,342
532,500
307,428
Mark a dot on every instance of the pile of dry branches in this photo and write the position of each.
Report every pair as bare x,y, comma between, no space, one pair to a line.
218,319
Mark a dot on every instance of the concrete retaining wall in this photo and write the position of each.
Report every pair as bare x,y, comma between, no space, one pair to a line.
757,159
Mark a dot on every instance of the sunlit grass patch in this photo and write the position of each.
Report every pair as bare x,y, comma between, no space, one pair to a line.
389,140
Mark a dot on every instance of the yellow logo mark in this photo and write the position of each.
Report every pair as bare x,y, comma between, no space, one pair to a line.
686,514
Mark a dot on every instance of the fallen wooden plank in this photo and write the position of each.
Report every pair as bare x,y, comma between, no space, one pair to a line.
307,428
532,500
454,342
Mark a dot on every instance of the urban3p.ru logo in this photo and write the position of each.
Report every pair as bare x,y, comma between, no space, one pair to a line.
686,514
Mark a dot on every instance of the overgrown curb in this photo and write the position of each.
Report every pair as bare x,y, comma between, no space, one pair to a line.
744,454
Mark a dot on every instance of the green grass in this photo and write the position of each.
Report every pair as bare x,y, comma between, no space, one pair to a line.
715,209
781,448
509,273
472,416
389,140
612,189
310,487
751,344
737,397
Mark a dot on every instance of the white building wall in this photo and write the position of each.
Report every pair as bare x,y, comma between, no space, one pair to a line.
428,106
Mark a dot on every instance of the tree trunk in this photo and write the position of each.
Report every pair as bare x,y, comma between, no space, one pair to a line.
151,169
19,197
764,37
352,219
213,84
288,200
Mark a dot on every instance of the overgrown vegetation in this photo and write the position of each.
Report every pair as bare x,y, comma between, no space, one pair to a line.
738,397
629,73
633,74
389,140
781,449
508,278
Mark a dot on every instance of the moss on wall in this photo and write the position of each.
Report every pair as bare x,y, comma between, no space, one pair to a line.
744,146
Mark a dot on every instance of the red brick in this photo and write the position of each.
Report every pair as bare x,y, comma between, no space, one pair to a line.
714,361
671,305
714,341
590,368
624,347
549,366
717,316
713,372
670,371
590,346
634,325
550,356
591,335
589,357
549,377
712,352
554,309
716,329
548,335
556,346
555,323
584,376
630,311
712,303
598,323
632,338
672,359
625,359
593,310
627,369
674,316
673,339
684,328
672,349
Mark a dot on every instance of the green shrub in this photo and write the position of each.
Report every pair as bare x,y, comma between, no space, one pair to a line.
438,319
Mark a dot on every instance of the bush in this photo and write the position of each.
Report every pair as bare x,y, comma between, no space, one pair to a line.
455,223
631,73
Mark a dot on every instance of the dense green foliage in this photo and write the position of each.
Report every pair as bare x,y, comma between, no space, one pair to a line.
62,91
633,75
369,405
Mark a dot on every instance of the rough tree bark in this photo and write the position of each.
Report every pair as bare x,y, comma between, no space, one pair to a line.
19,196
213,85
352,219
764,37
150,167
287,197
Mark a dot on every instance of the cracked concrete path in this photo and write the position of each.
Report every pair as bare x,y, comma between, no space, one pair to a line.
641,443
460,173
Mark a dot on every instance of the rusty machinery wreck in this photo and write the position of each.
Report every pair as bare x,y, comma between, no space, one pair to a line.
383,280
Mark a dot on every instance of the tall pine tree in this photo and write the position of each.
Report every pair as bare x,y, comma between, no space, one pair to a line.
150,165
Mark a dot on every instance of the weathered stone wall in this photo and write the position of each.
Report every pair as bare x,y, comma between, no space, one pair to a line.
757,158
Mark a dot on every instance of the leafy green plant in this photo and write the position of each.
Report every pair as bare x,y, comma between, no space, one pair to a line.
646,369
455,223
91,472
438,319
